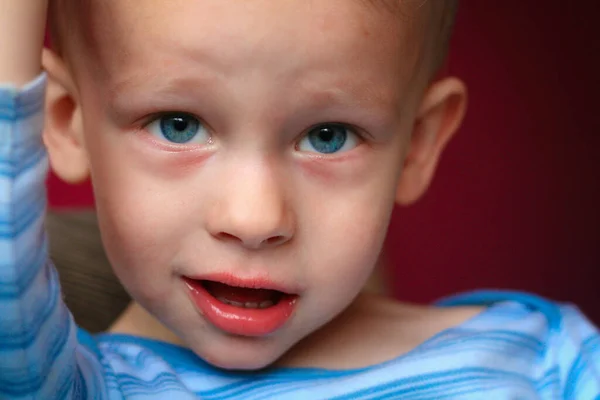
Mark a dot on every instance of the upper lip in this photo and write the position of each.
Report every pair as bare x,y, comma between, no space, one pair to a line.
251,282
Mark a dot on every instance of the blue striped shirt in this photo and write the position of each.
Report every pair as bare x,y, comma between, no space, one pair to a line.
520,347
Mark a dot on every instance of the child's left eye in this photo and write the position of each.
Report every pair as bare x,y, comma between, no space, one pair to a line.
179,128
329,138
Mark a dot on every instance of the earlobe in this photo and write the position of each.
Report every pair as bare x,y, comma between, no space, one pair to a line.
63,130
439,117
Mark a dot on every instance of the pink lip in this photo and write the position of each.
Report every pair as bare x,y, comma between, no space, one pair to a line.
256,282
253,322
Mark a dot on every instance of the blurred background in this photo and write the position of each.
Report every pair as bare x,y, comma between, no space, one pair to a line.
515,203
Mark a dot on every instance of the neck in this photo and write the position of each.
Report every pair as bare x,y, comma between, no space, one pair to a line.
135,320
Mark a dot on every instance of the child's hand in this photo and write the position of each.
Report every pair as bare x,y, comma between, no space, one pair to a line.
22,24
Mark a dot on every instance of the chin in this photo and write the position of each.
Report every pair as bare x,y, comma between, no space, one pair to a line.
239,353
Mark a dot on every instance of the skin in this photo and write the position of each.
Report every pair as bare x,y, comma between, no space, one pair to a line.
251,199
23,20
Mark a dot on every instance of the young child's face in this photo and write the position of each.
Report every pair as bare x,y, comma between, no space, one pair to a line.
284,129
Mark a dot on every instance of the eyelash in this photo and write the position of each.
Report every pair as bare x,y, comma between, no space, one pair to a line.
351,136
354,134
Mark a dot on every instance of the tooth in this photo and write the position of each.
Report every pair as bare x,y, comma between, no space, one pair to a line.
230,302
262,304
265,304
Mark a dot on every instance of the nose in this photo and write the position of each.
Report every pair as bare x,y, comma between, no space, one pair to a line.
251,209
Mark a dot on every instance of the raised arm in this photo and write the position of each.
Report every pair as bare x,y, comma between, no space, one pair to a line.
21,39
40,354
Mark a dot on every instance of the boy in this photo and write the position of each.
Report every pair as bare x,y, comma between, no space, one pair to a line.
245,158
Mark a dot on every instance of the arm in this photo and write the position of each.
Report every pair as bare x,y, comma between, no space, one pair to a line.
40,356
21,39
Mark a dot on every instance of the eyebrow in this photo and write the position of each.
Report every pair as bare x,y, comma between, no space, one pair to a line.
359,96
161,93
157,91
175,84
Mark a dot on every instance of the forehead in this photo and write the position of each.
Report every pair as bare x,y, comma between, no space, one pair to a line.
347,35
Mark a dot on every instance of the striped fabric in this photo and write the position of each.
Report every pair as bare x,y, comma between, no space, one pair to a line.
520,347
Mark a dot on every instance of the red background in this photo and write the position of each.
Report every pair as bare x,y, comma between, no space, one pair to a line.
515,202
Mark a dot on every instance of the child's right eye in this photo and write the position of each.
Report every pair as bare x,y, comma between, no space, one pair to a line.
179,128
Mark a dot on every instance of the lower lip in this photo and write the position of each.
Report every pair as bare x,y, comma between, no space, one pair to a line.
237,320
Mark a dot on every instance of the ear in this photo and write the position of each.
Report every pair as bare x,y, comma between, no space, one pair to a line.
63,129
439,117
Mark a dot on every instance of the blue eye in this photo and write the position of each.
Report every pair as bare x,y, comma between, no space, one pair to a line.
179,128
329,139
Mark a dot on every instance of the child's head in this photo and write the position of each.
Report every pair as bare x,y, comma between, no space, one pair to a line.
261,140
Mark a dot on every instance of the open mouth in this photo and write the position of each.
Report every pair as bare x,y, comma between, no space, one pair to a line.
244,308
243,297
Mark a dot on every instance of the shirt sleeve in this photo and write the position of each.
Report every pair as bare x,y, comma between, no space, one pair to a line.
40,356
579,356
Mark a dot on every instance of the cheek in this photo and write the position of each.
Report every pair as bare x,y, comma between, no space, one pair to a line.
133,226
142,218
351,244
346,226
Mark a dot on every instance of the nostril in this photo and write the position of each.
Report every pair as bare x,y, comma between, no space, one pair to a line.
275,240
254,242
227,236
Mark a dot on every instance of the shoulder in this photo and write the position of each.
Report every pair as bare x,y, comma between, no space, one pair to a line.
576,349
568,342
557,318
138,367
